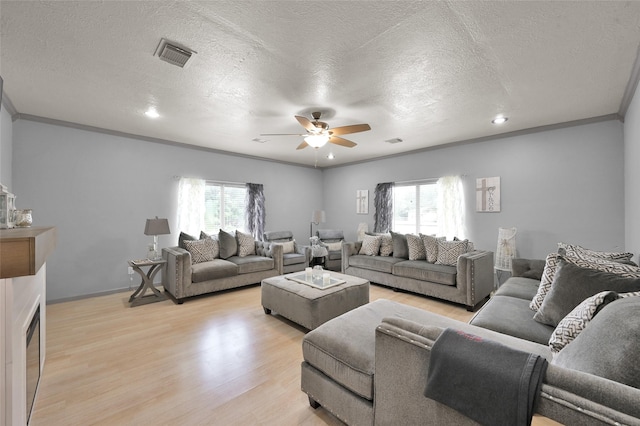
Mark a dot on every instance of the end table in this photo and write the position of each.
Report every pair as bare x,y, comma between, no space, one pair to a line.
138,297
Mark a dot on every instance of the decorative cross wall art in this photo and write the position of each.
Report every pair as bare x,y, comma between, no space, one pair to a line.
488,194
362,201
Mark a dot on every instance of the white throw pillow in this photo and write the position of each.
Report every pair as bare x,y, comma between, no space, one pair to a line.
337,246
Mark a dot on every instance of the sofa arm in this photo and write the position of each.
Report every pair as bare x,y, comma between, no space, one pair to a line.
176,276
349,249
272,250
567,396
475,275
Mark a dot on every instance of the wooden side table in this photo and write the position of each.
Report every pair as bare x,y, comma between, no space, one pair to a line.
138,297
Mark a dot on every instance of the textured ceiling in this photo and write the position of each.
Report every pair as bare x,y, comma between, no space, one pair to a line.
429,73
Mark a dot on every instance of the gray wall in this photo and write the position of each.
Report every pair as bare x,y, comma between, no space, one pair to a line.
557,185
98,189
632,175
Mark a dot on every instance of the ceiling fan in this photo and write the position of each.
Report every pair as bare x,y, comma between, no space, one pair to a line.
318,132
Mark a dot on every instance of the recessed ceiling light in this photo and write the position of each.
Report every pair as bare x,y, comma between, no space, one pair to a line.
330,156
152,113
501,119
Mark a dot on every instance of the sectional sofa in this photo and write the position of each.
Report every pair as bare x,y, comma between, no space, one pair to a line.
371,365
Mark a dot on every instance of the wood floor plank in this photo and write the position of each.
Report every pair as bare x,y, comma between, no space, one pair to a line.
213,360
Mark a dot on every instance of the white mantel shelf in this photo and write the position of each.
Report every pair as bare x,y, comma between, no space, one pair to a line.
23,256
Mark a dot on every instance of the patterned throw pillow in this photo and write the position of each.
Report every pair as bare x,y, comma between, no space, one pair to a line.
600,264
416,247
216,243
576,320
337,246
386,245
574,250
430,243
246,244
200,250
370,245
450,251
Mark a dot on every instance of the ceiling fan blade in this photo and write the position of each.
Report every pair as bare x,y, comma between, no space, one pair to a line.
283,134
302,145
306,123
342,142
354,128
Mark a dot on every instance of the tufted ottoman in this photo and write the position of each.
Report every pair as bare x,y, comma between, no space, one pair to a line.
310,306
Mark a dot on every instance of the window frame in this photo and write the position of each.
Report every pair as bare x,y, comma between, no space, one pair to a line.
221,212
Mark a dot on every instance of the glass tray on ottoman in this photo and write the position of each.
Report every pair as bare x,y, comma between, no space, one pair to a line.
314,282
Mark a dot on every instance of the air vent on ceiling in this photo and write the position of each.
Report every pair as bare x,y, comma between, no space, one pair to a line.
394,140
173,53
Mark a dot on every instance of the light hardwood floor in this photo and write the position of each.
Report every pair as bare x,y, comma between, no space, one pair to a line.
215,360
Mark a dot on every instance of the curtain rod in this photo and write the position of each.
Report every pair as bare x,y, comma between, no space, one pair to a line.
177,177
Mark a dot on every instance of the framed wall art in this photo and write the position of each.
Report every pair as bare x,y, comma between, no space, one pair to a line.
488,195
362,201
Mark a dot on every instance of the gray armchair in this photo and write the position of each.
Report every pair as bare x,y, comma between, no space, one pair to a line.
332,239
296,257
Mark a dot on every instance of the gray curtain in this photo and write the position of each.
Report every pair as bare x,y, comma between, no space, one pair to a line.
383,202
255,213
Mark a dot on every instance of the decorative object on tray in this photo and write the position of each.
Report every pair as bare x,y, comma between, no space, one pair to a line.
321,280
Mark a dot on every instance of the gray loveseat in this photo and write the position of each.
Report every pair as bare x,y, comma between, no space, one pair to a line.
468,283
370,365
183,278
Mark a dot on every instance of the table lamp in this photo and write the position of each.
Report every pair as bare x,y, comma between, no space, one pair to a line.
156,227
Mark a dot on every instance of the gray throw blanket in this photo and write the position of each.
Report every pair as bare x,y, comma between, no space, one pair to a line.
484,380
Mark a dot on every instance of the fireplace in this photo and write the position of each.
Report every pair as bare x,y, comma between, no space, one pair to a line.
33,360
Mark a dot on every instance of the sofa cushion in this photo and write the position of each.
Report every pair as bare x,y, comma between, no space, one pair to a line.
228,244
185,237
252,263
511,315
425,271
370,245
450,251
246,244
520,287
212,270
400,247
330,235
609,346
416,247
200,250
575,250
572,284
570,326
374,263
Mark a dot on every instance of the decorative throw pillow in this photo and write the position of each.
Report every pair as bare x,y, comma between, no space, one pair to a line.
335,246
246,244
430,243
416,247
600,264
450,251
572,284
609,345
370,245
386,245
216,244
228,244
185,237
200,250
400,248
287,246
574,250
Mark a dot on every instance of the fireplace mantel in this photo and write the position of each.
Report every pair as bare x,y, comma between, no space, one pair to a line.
23,256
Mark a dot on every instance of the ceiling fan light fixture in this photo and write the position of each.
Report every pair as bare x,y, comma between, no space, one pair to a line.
316,141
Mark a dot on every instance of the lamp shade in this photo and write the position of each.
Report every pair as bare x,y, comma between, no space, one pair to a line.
316,141
318,216
156,227
506,249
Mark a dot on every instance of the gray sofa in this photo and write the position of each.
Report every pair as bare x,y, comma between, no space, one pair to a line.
468,283
370,365
182,279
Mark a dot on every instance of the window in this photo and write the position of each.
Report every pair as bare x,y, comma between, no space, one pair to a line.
224,207
415,208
